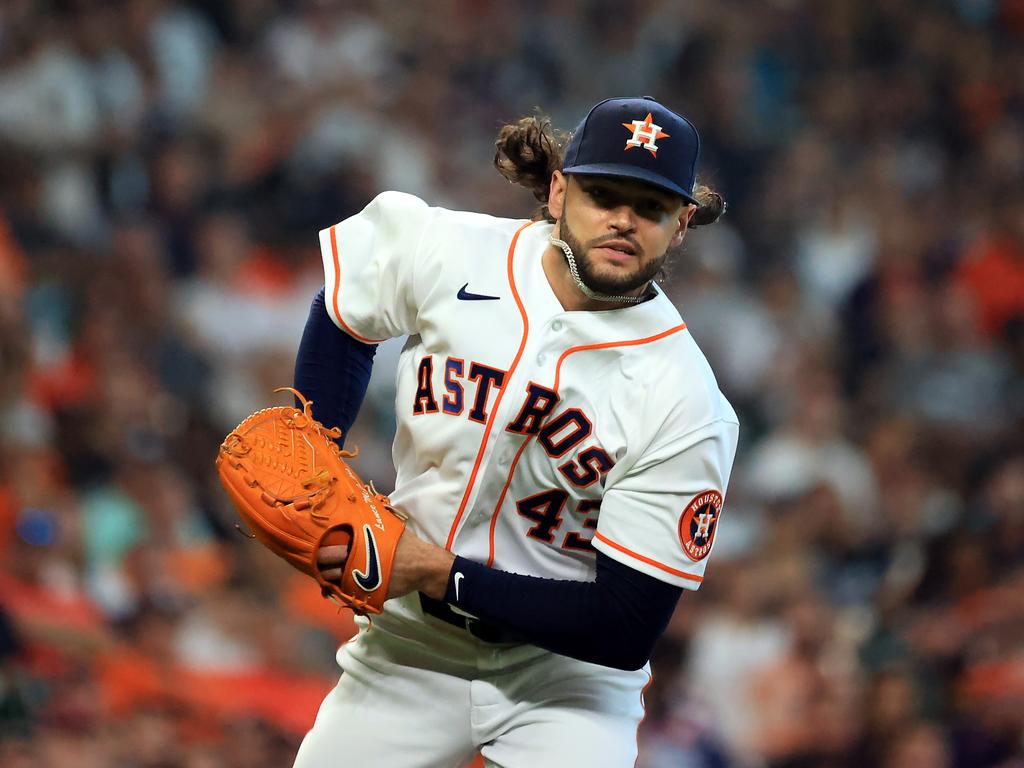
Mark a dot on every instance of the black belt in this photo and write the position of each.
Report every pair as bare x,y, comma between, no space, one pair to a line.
481,630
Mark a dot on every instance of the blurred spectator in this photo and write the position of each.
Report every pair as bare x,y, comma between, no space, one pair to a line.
811,449
992,270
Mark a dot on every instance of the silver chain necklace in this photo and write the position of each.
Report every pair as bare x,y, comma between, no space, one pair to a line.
579,281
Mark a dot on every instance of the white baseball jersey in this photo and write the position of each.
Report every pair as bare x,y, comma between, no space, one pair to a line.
528,436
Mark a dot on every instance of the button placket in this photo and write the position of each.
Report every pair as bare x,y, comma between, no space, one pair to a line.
502,450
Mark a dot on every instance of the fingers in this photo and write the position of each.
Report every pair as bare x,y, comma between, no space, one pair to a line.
330,559
329,556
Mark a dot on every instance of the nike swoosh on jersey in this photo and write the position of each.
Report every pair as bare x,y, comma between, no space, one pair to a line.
369,579
458,577
465,295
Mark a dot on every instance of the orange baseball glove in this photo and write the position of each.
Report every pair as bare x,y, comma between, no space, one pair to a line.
289,482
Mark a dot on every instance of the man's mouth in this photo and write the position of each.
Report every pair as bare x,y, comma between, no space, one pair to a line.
618,250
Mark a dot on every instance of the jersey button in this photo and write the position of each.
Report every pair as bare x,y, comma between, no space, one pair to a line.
556,326
541,359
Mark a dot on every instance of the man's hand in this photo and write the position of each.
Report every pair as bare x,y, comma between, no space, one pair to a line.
419,566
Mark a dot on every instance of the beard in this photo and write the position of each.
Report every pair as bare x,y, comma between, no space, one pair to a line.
613,284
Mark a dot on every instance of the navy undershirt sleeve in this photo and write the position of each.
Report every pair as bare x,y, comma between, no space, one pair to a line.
614,620
332,369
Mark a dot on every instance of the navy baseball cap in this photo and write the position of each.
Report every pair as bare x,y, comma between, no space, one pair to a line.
636,138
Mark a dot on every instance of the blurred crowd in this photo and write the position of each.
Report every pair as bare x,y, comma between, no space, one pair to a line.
165,166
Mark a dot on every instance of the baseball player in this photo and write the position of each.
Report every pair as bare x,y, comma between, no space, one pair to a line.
562,450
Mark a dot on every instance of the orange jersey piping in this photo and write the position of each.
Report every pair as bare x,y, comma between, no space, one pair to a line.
501,500
645,559
334,293
558,373
501,392
643,706
609,344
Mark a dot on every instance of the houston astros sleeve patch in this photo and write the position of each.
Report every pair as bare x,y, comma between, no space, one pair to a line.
698,523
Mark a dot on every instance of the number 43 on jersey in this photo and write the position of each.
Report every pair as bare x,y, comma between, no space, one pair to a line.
557,433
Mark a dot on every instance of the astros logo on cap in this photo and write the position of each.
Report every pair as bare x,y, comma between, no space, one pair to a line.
645,133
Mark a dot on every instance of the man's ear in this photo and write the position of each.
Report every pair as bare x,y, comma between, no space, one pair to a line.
556,194
684,223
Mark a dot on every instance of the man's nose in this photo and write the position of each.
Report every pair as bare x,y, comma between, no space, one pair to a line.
623,218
